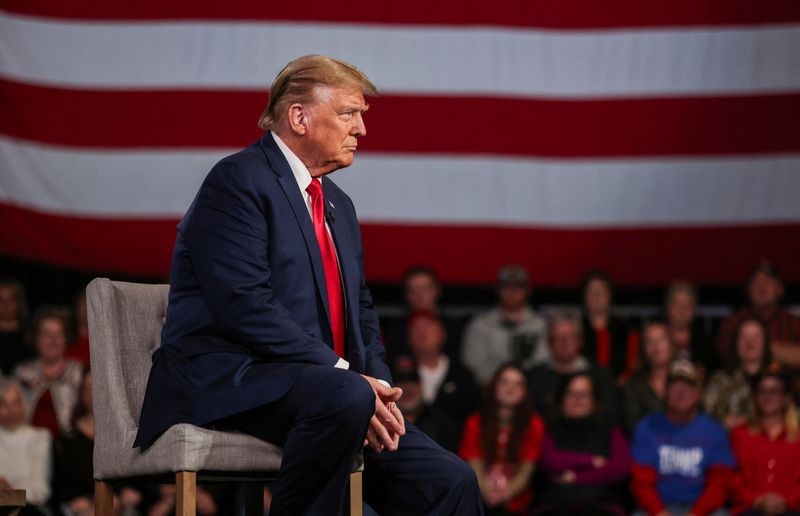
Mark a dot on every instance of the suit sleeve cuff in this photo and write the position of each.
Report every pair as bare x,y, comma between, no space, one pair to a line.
342,364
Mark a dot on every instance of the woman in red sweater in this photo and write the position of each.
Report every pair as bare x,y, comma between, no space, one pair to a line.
768,451
502,443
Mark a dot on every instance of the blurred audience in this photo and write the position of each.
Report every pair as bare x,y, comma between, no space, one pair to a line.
422,291
24,450
644,393
51,380
438,425
13,316
729,395
584,457
502,443
510,331
764,292
447,386
682,458
686,331
607,339
565,340
767,449
79,349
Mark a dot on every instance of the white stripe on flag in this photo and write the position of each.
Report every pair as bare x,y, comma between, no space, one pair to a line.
405,59
429,189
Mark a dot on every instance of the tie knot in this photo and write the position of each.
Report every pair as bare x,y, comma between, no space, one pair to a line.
314,188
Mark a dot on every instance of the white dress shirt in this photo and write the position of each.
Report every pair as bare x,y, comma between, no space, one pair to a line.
303,178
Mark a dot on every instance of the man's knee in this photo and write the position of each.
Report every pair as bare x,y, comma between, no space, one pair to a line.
354,400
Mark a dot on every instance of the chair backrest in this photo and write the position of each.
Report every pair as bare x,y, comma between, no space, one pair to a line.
125,321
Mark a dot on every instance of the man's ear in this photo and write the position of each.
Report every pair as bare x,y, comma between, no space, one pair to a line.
298,119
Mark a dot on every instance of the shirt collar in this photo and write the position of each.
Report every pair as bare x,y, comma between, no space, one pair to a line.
300,171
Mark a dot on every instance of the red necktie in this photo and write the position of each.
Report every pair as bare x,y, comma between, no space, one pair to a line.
331,266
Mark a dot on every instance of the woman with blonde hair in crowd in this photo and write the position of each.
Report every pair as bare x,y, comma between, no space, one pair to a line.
644,393
51,380
502,442
767,450
24,450
728,397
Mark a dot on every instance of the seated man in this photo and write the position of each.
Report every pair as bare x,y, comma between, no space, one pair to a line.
437,424
446,385
682,459
510,331
764,291
270,328
565,339
422,290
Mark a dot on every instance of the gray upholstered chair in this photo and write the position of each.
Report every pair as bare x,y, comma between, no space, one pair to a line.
125,322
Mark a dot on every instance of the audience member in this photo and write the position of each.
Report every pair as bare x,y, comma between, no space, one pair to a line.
682,459
502,443
438,425
79,350
13,314
447,386
728,396
510,331
565,340
644,393
50,381
422,291
764,291
768,451
607,339
584,456
686,330
24,450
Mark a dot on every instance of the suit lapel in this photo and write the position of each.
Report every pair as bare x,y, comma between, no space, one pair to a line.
292,191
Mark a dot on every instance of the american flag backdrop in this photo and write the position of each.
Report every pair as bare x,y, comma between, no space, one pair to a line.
656,139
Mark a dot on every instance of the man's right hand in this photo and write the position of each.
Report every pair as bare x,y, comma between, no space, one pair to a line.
387,424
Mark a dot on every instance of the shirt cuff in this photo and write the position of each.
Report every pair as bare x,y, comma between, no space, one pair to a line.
342,364
384,383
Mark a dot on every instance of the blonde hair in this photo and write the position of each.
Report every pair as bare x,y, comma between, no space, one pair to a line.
791,417
296,83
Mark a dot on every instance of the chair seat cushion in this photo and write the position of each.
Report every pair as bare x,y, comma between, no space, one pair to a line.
185,447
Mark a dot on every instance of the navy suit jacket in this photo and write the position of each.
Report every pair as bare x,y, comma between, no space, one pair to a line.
248,306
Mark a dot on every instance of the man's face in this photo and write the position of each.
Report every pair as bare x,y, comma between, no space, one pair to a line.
422,292
334,123
565,343
597,296
426,336
9,308
680,309
764,290
12,409
512,296
682,397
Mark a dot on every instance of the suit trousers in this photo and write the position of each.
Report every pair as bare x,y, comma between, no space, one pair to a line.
321,424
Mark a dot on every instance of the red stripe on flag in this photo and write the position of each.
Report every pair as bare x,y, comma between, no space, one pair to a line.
729,125
553,14
555,257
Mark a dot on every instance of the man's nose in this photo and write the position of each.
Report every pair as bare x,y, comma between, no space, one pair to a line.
359,128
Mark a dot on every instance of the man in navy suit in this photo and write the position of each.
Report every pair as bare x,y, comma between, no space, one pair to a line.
270,327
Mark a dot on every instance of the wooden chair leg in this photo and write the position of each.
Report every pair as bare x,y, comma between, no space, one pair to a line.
186,492
355,494
103,498
254,499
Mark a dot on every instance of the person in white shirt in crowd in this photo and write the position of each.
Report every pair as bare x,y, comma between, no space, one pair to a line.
24,450
447,386
510,331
